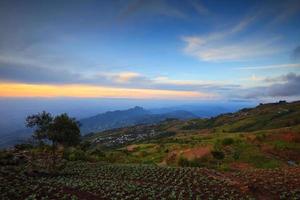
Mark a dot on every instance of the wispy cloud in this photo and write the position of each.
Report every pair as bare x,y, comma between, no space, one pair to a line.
200,7
235,51
250,38
264,67
223,46
125,77
197,85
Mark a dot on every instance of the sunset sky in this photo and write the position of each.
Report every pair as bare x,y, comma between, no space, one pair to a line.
158,49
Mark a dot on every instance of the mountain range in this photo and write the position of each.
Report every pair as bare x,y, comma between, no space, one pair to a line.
105,121
133,116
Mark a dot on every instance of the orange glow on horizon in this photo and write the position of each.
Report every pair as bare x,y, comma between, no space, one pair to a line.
92,91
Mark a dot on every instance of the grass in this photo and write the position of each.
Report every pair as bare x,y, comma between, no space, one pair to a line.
237,147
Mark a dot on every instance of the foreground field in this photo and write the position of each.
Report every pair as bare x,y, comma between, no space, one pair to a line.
82,180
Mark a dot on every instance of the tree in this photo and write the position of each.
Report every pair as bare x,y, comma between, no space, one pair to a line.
41,122
65,130
60,130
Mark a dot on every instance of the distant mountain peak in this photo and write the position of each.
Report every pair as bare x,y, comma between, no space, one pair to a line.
137,108
132,116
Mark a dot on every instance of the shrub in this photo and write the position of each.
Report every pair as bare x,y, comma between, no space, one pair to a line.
227,141
74,154
236,154
218,144
97,152
195,163
183,162
261,137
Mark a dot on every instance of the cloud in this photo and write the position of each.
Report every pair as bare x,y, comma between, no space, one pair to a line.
125,77
28,72
234,51
223,46
264,67
254,78
35,74
200,8
22,61
285,86
196,85
253,37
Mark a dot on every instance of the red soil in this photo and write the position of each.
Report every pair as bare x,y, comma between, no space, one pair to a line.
287,137
197,152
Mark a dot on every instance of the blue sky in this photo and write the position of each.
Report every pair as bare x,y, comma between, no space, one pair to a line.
166,49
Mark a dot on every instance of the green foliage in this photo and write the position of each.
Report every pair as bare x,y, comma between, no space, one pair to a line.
260,161
74,154
102,181
267,116
236,154
64,130
197,124
61,129
261,137
227,141
41,122
283,145
183,162
196,162
97,152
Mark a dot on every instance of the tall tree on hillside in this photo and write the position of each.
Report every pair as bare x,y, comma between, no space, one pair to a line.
59,130
41,122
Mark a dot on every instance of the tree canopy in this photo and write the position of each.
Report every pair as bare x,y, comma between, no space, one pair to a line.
60,129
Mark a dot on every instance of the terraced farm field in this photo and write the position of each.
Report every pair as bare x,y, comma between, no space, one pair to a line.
81,180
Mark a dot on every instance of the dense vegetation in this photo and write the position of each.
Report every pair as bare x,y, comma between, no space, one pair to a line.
82,180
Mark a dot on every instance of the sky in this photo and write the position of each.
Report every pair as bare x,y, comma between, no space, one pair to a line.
192,50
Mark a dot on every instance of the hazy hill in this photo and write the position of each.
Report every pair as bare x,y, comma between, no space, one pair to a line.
123,118
263,116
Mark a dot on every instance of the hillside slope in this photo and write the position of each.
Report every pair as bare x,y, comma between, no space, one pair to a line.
262,117
130,117
266,136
